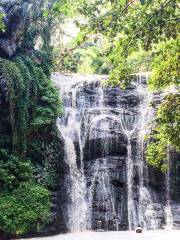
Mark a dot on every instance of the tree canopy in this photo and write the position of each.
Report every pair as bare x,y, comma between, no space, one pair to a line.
131,27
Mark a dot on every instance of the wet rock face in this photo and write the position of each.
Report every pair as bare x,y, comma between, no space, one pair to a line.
107,116
105,150
104,125
106,186
176,215
14,20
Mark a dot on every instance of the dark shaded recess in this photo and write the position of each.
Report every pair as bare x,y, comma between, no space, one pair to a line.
118,183
78,157
175,176
5,127
156,181
96,148
3,91
59,194
136,175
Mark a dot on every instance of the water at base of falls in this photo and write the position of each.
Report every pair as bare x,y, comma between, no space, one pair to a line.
103,129
122,235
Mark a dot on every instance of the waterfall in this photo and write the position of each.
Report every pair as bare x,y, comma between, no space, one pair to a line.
103,129
75,213
147,215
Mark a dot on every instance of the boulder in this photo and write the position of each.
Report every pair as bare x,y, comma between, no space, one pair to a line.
139,230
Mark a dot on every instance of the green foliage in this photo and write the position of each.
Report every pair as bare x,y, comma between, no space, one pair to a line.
2,26
46,153
131,26
34,102
80,38
87,59
26,208
166,133
68,63
121,69
63,8
45,16
29,146
17,86
156,155
30,121
13,171
92,60
165,65
46,61
168,118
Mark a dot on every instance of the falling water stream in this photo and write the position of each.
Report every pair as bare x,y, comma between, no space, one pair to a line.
103,130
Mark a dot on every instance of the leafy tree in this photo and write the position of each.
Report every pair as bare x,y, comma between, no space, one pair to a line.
166,133
130,26
165,65
45,17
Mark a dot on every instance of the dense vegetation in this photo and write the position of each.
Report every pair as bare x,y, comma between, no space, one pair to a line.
27,129
29,146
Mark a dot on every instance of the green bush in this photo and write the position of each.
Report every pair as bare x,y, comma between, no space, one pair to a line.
26,208
13,171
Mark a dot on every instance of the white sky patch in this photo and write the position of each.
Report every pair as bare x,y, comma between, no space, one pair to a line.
65,33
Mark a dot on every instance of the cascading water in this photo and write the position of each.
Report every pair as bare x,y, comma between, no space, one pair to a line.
147,215
76,207
103,130
75,212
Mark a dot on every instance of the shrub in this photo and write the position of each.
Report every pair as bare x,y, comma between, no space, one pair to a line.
26,208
